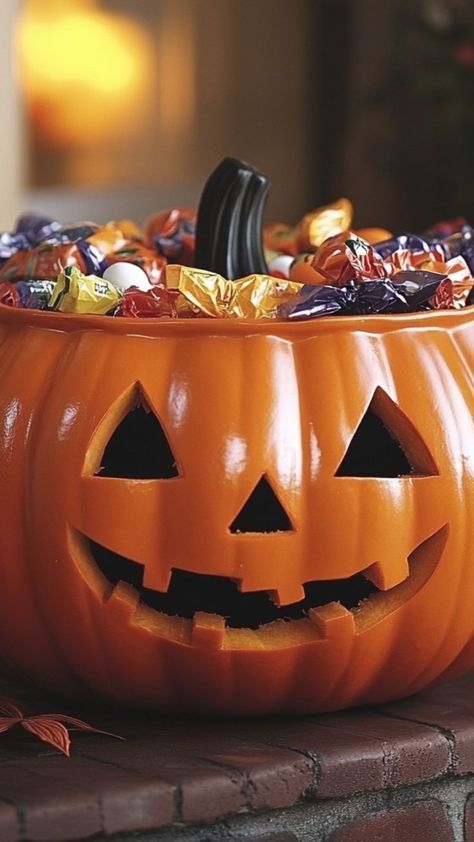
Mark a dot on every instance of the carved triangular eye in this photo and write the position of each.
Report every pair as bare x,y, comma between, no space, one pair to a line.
262,512
386,444
139,448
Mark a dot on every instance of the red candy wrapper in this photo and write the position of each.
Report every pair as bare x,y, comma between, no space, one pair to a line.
9,294
154,303
444,296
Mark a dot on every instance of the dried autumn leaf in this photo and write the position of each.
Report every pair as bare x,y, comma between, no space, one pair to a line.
49,727
78,724
49,731
7,723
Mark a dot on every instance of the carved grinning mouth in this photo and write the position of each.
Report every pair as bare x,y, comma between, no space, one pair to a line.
191,593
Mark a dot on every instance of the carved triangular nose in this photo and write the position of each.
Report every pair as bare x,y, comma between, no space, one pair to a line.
262,512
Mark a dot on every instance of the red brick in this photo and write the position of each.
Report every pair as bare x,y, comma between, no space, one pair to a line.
8,823
346,763
276,778
454,715
424,821
237,774
208,797
207,792
128,801
413,752
50,813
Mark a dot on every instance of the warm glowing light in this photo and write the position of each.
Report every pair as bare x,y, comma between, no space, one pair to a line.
81,69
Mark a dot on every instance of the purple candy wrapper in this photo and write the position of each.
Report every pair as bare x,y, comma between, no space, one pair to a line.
406,292
412,242
10,244
34,295
36,228
461,244
95,260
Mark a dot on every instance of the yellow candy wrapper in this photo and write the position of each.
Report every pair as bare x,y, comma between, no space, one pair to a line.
324,222
78,293
209,294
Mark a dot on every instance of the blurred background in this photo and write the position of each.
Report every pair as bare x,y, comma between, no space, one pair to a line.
114,108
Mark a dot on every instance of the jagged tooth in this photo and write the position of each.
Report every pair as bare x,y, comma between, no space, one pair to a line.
208,630
124,599
386,576
156,578
333,620
287,595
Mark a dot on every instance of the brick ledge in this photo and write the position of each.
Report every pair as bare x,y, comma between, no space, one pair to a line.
388,772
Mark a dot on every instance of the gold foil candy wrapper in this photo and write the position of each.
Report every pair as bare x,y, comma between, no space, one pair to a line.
114,236
324,222
259,296
78,293
253,297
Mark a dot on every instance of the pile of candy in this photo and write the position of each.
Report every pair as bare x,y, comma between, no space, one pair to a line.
319,267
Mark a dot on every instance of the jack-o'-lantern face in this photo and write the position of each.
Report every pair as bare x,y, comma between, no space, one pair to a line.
384,446
246,519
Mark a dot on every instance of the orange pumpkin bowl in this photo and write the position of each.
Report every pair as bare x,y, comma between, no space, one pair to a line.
236,517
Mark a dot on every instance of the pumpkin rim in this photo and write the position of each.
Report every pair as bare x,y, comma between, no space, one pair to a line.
285,328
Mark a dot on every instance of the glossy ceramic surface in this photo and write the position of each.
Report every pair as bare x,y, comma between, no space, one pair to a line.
238,400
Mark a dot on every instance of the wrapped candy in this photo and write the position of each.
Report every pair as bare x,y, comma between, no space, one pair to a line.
461,244
109,238
172,234
406,292
209,294
78,293
115,269
441,230
33,230
346,257
44,262
322,223
151,263
36,228
9,294
10,244
408,242
155,303
34,295
74,231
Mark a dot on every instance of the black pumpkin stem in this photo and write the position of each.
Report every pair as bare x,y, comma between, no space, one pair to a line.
229,222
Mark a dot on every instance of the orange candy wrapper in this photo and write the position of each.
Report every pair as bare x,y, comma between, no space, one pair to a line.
44,262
